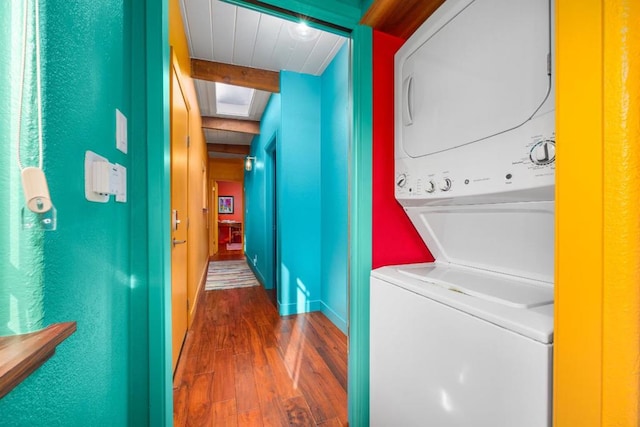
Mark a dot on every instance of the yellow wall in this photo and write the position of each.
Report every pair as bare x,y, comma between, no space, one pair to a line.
198,245
597,324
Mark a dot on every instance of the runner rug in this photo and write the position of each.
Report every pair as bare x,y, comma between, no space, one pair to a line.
228,275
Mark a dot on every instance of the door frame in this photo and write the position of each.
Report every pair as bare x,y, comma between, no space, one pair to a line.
174,76
271,149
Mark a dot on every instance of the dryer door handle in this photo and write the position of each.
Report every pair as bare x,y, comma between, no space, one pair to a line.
407,101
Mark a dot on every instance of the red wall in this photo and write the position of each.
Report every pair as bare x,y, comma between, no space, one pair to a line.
395,240
228,188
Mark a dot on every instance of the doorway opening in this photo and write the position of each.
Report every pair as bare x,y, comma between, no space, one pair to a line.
272,195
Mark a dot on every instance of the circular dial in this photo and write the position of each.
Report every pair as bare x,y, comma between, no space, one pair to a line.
445,184
543,153
431,187
401,180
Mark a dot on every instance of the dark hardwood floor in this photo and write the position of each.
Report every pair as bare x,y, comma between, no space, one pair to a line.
243,365
226,255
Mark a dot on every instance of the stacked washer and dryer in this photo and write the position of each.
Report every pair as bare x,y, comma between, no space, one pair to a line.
468,339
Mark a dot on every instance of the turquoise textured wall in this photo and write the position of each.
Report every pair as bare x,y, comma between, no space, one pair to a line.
334,188
21,251
88,52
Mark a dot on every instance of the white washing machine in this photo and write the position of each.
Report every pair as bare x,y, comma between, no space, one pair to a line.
468,339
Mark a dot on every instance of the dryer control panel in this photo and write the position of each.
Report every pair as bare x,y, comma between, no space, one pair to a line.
516,165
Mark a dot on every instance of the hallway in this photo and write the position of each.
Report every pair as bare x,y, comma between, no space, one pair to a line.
243,365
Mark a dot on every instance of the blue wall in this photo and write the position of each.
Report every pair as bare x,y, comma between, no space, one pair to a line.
308,123
299,194
258,195
334,187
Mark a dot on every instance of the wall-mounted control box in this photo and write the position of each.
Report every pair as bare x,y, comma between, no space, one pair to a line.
103,178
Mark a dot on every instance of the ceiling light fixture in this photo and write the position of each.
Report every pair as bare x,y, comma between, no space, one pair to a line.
302,32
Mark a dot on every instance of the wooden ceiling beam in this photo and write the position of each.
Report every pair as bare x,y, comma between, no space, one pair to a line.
399,18
232,125
253,78
228,149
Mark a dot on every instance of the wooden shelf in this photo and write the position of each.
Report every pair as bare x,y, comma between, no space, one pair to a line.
20,355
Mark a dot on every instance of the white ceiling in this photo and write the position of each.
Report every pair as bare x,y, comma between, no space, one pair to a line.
226,33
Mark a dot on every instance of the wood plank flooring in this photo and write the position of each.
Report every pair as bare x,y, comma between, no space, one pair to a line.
243,365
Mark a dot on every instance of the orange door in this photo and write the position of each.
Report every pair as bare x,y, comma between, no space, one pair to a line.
179,191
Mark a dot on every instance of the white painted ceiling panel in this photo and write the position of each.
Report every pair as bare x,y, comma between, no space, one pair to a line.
206,97
199,31
317,62
268,32
259,104
283,49
245,41
222,32
223,21
301,56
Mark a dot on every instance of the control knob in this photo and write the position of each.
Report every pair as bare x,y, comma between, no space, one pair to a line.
543,153
431,187
445,184
401,180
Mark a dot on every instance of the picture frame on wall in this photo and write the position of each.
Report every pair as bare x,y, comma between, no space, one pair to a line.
225,204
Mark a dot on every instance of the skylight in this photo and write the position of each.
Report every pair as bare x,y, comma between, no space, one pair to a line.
233,100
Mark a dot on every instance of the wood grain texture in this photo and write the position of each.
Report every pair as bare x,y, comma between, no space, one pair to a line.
20,355
233,125
229,149
237,75
265,370
399,18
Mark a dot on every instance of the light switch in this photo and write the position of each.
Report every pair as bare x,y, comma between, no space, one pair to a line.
121,132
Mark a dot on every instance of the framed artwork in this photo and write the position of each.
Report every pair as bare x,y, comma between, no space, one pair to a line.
225,204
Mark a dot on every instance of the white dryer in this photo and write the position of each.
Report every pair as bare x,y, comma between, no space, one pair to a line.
467,340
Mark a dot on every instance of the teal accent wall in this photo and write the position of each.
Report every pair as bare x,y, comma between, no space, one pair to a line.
259,195
334,186
98,265
360,226
307,125
299,194
21,251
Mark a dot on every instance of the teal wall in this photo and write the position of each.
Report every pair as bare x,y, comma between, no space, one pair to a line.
334,188
259,194
360,229
95,265
21,252
299,194
309,124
